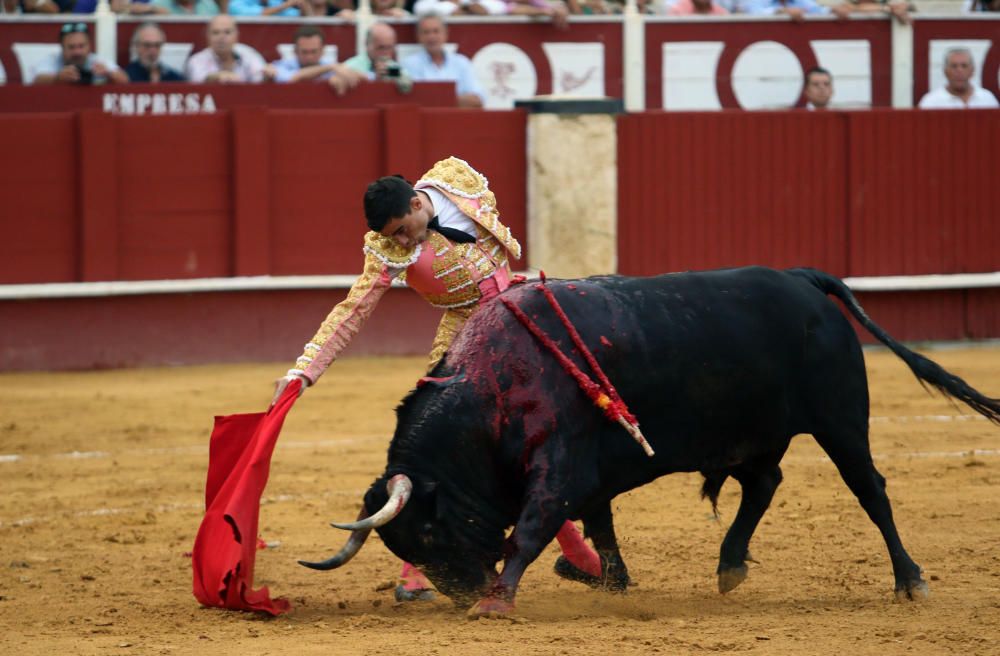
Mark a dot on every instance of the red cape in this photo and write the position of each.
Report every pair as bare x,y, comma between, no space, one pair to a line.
239,461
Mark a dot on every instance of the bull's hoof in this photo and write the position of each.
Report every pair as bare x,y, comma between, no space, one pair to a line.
732,577
490,608
915,590
422,594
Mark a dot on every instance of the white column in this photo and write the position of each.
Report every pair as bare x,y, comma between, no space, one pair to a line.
572,186
902,65
634,54
363,21
106,31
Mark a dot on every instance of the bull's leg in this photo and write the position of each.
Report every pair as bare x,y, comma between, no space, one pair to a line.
758,484
854,462
541,518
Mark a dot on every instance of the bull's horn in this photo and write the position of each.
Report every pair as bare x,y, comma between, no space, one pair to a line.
399,488
353,546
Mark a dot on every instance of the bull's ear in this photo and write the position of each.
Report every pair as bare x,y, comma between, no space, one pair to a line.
427,488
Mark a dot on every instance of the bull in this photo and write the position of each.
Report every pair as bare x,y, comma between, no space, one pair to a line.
722,369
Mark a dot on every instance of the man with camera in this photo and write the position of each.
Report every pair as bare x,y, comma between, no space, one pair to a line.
310,64
75,63
378,62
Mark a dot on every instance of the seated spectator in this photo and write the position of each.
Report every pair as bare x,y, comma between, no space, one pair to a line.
794,9
898,9
378,61
310,64
557,11
434,64
460,7
339,8
696,8
818,88
959,92
285,8
222,60
588,7
147,41
970,6
176,7
75,63
389,9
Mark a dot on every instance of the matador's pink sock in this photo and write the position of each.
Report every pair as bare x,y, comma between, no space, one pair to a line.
577,551
414,579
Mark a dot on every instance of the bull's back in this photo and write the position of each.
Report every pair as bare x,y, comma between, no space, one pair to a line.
712,363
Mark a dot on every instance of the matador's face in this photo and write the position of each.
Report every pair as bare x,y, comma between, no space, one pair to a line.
410,229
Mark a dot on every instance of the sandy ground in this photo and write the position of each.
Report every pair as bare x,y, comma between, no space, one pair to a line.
102,479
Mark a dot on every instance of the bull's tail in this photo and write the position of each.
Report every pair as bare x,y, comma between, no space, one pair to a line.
924,369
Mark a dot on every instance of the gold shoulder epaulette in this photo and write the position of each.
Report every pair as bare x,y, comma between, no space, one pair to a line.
389,251
456,176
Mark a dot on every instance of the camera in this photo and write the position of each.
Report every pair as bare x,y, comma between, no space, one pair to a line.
393,70
86,75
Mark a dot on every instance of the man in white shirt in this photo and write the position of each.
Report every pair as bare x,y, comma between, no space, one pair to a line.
222,62
960,92
75,63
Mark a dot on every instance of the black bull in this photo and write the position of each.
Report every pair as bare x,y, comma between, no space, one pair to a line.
721,369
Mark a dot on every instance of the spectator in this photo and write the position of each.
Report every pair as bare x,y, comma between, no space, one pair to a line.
794,9
310,64
285,8
389,8
556,10
583,7
960,92
899,9
378,62
434,64
176,7
696,8
75,63
37,6
222,60
147,41
459,7
339,8
818,88
970,6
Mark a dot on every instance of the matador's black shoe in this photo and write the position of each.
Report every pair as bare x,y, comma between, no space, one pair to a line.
571,572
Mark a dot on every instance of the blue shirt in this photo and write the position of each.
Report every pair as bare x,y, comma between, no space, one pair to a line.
284,69
456,68
770,7
256,8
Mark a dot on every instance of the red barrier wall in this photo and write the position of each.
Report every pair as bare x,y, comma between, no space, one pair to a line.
855,193
921,199
38,199
701,190
247,192
174,329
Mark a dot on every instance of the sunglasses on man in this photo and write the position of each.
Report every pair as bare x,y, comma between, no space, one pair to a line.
70,28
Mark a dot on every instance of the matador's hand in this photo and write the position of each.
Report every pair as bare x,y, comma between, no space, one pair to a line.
282,383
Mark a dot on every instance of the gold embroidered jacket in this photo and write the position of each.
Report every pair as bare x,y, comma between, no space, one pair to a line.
446,274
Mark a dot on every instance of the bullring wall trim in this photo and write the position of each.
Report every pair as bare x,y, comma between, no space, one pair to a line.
271,283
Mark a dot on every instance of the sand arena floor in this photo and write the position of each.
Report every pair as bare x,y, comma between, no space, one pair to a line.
102,478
